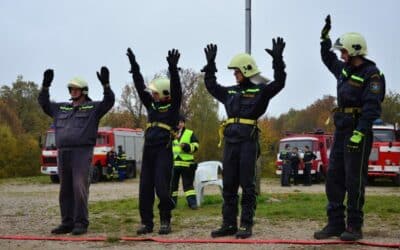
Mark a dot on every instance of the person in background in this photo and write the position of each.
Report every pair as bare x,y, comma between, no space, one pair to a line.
308,157
121,163
286,167
111,163
184,147
294,159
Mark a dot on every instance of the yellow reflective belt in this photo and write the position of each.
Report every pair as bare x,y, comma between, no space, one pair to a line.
230,121
158,124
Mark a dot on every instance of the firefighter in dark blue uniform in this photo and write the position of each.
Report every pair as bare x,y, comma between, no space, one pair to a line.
294,159
286,168
111,162
76,126
308,157
360,91
244,104
121,163
162,100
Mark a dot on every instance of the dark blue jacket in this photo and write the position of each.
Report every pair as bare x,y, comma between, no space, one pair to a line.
164,112
362,87
245,100
76,126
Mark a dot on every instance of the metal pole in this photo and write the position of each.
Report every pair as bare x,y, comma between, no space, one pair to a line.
248,26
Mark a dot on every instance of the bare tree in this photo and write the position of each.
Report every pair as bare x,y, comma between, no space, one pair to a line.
131,102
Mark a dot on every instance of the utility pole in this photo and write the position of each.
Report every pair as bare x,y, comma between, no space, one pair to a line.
248,50
248,26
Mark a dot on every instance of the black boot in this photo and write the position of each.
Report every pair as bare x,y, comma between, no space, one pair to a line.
224,230
79,230
165,227
143,229
328,231
192,203
62,229
244,232
351,234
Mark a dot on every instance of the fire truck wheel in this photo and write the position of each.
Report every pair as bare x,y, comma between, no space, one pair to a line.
318,177
396,180
94,174
54,178
131,169
371,180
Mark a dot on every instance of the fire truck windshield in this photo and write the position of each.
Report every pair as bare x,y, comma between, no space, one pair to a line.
101,139
383,135
50,140
300,144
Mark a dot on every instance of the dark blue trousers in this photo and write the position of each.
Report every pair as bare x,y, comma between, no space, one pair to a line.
347,173
156,175
73,168
239,166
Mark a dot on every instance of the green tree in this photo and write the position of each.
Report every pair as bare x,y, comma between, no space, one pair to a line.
391,108
204,122
8,149
22,97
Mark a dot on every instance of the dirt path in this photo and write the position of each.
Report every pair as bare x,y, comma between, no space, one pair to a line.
32,209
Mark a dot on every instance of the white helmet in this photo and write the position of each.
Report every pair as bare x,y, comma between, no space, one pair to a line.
245,63
353,42
78,82
160,85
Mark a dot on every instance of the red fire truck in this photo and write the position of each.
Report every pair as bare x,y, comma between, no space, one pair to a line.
384,160
319,142
131,141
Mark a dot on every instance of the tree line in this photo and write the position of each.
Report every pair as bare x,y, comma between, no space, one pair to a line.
22,122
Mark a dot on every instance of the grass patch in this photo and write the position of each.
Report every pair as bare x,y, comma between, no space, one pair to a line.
122,216
40,179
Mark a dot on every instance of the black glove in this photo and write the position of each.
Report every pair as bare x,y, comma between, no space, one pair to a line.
134,65
211,53
48,76
276,52
325,30
173,58
278,46
104,76
185,147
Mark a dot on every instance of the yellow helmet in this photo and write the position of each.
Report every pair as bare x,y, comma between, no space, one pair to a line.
161,85
245,63
78,82
353,42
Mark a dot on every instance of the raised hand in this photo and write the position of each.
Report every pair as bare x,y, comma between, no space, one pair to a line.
327,27
211,53
278,46
104,76
132,60
173,58
48,76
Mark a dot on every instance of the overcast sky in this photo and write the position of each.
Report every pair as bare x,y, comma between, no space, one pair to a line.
77,37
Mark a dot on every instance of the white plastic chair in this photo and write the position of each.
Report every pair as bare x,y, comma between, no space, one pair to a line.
206,174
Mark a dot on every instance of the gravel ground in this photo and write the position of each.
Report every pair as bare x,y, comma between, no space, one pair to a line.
29,209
